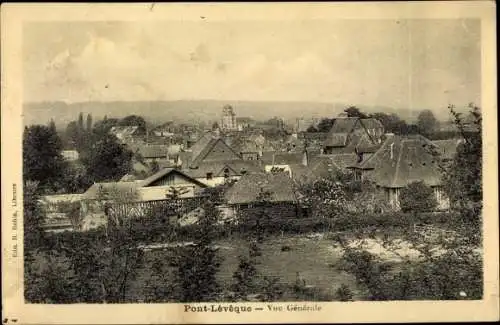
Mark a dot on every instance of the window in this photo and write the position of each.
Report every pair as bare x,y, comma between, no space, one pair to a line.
210,175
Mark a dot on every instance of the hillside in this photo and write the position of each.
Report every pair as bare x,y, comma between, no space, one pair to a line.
192,110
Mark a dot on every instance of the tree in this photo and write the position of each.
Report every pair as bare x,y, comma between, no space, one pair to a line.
392,122
42,158
34,217
134,120
89,123
427,122
215,126
80,123
463,180
417,197
197,265
353,111
311,129
325,125
107,160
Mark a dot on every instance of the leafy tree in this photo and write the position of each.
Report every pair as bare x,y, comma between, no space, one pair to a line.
417,197
80,122
311,129
427,122
34,216
392,122
463,180
325,125
107,160
42,158
134,120
102,127
325,197
353,111
197,266
89,123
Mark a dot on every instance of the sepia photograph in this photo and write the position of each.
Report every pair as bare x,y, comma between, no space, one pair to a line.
250,165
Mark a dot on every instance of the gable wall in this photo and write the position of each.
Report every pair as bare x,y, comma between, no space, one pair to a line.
221,152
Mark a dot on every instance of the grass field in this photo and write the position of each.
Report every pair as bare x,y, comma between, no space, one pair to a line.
313,259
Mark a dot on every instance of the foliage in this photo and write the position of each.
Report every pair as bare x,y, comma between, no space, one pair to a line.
325,125
427,122
107,160
42,159
247,279
72,212
34,216
463,180
326,197
134,120
198,265
444,270
159,287
343,293
49,282
417,197
353,111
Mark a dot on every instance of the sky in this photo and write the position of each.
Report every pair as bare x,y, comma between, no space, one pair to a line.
411,64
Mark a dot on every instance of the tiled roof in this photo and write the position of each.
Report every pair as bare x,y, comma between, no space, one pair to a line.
336,140
93,191
236,168
164,172
152,150
343,160
371,123
247,189
448,148
344,125
402,160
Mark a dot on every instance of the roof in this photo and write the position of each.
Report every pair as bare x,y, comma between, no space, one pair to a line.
371,123
343,160
152,150
344,124
202,148
61,198
164,172
236,168
93,192
448,148
317,167
247,188
122,131
402,160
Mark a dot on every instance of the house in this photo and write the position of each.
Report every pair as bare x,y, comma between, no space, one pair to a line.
125,133
448,148
351,133
156,186
164,130
151,152
399,162
277,189
70,155
213,173
207,149
138,196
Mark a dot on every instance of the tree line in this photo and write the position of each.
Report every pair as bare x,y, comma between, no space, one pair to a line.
426,124
101,156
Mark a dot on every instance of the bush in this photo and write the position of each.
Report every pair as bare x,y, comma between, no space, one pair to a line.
417,197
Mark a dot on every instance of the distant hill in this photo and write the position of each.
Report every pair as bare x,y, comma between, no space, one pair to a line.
157,112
